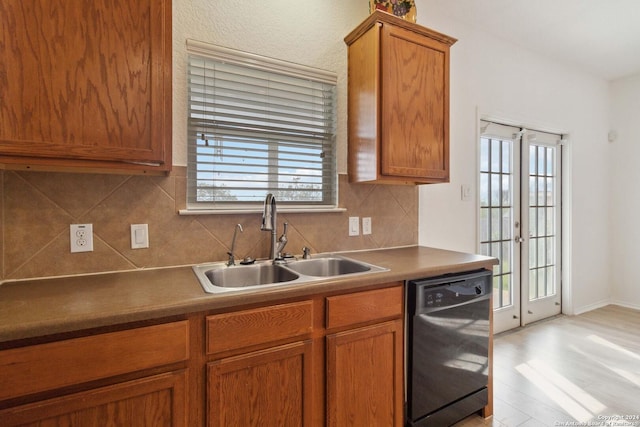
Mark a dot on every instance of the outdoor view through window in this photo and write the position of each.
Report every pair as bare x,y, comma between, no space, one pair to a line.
254,130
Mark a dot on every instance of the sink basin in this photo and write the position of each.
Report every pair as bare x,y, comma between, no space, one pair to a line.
330,266
260,274
218,277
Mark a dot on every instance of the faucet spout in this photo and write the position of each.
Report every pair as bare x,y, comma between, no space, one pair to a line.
231,253
269,223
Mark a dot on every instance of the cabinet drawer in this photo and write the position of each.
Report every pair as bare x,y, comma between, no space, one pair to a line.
58,364
367,306
158,401
245,328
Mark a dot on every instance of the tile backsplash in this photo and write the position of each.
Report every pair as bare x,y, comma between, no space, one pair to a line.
36,209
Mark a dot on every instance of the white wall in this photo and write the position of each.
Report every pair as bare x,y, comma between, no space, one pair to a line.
308,32
625,199
496,78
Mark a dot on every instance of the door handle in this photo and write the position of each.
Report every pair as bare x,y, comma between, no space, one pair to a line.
518,239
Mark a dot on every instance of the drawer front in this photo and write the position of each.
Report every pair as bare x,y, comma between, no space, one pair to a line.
230,331
42,367
362,307
156,401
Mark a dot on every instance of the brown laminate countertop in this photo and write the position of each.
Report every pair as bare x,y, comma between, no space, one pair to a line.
42,307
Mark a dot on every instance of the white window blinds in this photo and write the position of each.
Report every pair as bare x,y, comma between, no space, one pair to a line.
255,126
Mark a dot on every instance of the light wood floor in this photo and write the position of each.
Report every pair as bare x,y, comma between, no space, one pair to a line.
569,370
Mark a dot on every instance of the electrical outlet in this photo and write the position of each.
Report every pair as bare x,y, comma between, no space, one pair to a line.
354,226
81,237
366,225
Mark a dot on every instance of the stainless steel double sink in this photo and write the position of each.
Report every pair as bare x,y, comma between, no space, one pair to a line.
218,277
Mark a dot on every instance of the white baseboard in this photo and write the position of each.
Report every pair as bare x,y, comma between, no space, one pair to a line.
593,306
626,304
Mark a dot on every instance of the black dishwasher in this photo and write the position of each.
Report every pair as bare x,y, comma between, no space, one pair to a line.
447,329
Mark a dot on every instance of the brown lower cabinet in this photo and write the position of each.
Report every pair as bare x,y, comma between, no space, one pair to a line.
264,388
48,376
324,360
364,376
158,400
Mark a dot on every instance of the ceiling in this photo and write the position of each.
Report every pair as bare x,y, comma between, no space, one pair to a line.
602,37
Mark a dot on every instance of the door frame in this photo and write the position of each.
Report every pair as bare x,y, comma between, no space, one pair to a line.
567,296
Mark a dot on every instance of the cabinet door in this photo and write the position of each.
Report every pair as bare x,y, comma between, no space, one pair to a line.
415,106
264,388
364,376
156,401
85,80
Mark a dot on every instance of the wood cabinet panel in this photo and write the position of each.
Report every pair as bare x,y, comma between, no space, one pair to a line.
398,121
42,367
362,307
245,328
415,109
363,104
87,80
365,376
265,388
156,401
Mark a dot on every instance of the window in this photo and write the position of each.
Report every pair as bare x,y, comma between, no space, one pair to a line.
256,126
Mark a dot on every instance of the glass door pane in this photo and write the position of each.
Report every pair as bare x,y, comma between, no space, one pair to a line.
498,184
543,222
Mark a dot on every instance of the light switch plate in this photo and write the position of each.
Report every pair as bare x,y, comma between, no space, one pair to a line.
366,225
354,226
139,236
465,192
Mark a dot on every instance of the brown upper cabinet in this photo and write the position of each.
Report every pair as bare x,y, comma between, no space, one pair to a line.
85,85
398,102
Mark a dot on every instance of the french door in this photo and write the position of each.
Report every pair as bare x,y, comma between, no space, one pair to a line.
519,221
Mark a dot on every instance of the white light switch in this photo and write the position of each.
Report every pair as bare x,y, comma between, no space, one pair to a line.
354,226
465,192
366,225
139,236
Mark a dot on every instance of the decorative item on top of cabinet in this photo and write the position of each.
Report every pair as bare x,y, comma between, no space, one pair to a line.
405,9
86,85
398,114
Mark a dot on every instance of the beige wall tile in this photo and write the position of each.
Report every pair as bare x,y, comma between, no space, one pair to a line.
56,260
74,193
37,208
32,222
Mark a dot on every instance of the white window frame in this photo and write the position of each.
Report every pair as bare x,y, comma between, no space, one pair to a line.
310,147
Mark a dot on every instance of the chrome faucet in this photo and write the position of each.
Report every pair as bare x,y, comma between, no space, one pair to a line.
282,242
232,259
270,223
306,253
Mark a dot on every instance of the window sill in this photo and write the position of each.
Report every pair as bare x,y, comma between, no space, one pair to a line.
237,211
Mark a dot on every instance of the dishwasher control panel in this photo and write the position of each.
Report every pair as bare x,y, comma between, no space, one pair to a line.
450,290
